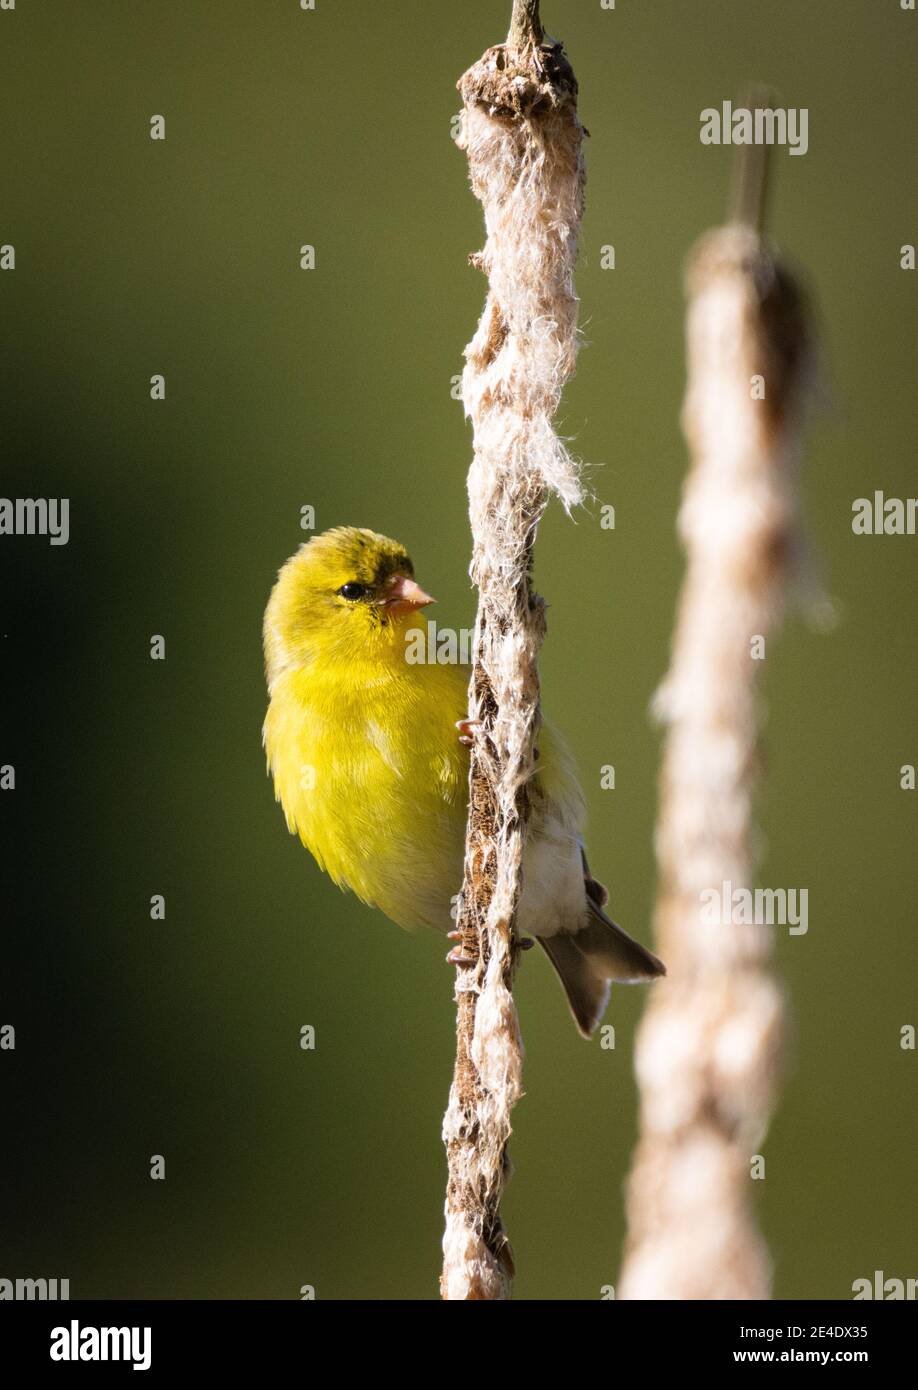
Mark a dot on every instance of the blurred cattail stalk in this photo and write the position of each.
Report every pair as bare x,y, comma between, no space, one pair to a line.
709,1046
523,140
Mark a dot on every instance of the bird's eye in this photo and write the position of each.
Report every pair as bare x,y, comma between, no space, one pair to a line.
352,591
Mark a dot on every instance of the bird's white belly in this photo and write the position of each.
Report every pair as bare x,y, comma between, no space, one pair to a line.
553,897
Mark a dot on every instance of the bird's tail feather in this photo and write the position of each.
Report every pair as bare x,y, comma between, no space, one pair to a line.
588,960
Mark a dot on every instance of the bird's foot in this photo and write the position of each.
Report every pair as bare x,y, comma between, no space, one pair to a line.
467,729
457,955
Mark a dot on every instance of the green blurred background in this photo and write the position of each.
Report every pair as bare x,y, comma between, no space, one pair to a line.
332,388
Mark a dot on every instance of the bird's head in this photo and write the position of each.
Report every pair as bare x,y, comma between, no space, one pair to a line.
348,594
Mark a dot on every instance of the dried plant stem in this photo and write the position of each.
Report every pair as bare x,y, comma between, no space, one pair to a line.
525,24
709,1046
749,193
523,140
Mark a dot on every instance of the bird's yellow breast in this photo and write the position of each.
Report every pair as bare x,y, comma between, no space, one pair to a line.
373,779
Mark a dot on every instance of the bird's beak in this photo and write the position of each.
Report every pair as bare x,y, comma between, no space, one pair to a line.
402,595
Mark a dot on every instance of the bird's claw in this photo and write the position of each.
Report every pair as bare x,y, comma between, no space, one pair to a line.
457,955
467,729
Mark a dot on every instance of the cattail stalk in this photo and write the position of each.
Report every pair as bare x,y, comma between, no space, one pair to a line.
708,1049
523,140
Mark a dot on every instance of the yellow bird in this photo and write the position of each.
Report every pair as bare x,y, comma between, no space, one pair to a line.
363,746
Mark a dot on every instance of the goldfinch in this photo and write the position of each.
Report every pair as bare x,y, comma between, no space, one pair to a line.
363,747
